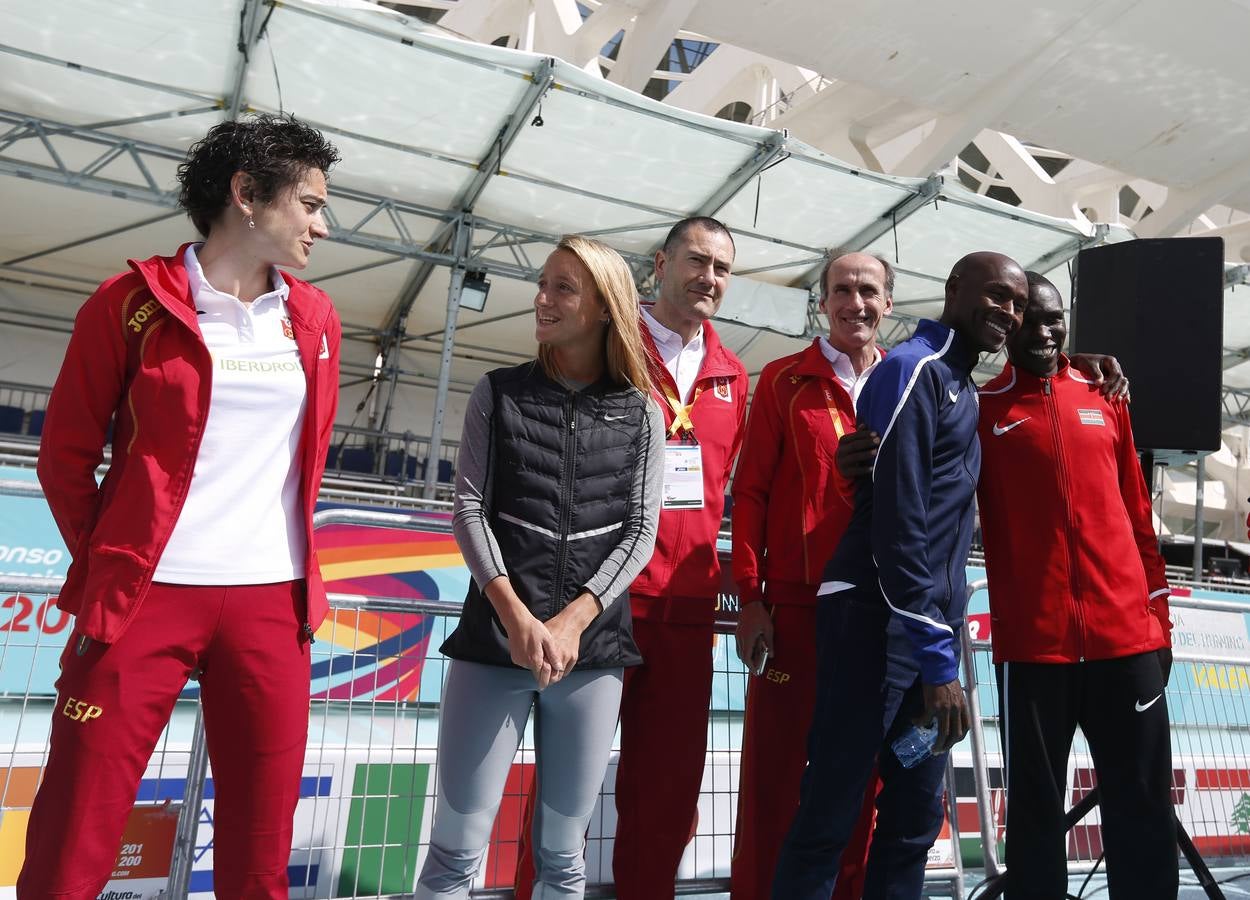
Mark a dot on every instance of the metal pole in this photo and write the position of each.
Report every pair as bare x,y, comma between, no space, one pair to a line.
390,363
1199,525
461,249
952,814
189,817
980,770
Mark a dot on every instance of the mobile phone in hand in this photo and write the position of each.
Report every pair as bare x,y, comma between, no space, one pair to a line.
761,654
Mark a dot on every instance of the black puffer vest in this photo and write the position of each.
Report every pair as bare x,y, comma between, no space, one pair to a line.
560,470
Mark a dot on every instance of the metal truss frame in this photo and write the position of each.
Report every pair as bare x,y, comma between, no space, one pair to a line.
486,239
483,252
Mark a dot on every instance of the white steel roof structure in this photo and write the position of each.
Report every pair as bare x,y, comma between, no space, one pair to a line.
457,157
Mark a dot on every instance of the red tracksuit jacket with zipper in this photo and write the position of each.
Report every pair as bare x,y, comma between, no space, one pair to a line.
685,564
791,499
137,352
1071,553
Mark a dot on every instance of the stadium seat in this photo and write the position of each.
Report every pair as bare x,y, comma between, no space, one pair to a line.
446,471
11,418
35,426
393,467
356,459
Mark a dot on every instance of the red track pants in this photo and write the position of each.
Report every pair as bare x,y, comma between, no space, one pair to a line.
774,753
247,641
660,769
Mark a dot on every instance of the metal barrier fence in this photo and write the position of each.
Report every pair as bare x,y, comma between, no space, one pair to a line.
368,779
22,408
400,457
1208,697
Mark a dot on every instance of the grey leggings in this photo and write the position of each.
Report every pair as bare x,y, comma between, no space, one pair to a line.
483,720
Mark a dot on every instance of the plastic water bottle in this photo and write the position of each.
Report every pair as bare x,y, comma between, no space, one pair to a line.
916,744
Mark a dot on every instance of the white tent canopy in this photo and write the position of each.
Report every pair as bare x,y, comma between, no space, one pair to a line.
455,156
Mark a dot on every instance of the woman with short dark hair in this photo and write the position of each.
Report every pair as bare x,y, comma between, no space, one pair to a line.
218,375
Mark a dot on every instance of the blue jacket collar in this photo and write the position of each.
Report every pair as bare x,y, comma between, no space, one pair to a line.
959,355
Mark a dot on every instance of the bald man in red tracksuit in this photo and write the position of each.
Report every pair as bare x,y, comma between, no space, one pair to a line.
790,509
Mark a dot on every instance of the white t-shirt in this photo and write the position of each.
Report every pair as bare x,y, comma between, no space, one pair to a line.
682,360
844,371
243,522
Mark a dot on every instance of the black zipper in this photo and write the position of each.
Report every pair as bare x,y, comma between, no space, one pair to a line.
568,467
950,567
1073,569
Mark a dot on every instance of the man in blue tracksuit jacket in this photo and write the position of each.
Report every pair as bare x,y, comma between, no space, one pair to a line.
893,597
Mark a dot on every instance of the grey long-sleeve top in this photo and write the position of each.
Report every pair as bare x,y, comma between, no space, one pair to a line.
471,516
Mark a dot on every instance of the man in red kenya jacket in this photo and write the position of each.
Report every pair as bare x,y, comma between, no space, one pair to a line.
790,508
1079,613
702,388
149,383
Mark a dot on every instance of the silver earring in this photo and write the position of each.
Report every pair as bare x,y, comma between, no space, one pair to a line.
251,223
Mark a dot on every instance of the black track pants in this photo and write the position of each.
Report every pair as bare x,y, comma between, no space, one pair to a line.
1120,707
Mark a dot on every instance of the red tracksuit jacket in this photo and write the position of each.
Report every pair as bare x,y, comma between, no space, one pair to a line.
136,353
1074,570
685,564
789,498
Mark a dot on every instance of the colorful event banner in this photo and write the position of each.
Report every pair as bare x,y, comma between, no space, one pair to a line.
358,655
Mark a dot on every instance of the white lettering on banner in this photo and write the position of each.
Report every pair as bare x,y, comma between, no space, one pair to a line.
32,555
1198,633
979,626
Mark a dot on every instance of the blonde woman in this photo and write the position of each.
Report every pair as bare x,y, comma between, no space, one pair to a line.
557,500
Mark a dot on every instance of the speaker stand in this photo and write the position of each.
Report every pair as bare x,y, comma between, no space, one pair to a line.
994,887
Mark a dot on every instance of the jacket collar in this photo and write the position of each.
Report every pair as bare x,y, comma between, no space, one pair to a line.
166,277
958,356
1026,382
718,362
812,361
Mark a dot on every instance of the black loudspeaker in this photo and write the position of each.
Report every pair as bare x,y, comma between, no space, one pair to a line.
1158,305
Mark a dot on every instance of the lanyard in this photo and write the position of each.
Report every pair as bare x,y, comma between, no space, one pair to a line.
681,413
832,405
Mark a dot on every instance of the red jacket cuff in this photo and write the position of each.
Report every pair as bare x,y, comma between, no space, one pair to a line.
749,592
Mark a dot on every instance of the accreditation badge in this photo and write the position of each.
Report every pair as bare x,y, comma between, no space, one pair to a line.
683,476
